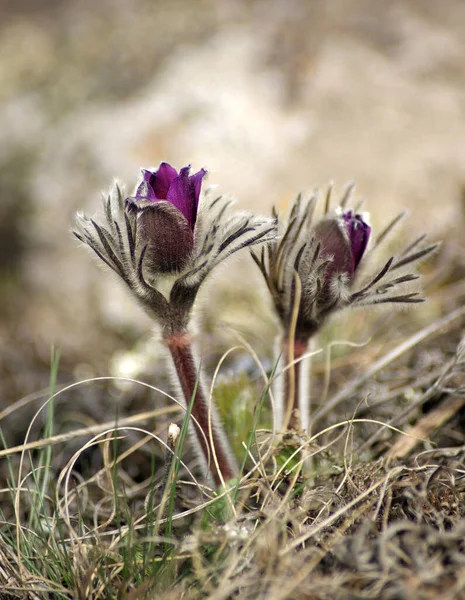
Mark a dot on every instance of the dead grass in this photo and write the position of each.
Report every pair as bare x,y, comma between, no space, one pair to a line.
340,514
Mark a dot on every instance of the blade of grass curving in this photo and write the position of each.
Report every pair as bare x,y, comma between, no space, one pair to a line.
11,482
48,429
41,473
114,470
149,528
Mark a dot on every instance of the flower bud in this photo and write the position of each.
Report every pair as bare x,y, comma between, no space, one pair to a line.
166,206
182,191
163,246
342,243
165,234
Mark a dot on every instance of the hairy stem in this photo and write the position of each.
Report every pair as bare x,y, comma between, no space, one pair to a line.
208,431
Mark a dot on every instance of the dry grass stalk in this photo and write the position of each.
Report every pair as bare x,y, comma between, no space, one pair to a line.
422,430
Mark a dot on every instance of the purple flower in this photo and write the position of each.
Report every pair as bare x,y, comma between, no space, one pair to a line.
166,204
182,190
359,234
342,242
164,243
327,255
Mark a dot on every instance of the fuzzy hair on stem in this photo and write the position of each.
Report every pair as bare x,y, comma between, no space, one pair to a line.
209,440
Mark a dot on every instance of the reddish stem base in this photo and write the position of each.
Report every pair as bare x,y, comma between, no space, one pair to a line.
181,352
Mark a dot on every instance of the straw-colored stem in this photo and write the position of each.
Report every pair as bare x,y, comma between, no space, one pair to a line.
293,351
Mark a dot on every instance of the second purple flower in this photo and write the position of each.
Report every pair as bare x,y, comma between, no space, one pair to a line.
312,271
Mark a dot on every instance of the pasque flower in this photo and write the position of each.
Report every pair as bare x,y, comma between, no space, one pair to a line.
166,206
312,271
339,243
163,242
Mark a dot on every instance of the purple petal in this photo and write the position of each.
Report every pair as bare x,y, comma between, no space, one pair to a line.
197,183
145,189
147,175
155,184
184,194
162,180
359,235
330,235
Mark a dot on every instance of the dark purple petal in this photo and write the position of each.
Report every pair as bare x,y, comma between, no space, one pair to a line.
359,234
167,236
334,243
145,190
183,190
184,194
147,175
155,185
197,183
162,179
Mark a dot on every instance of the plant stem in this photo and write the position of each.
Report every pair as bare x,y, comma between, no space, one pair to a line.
209,433
293,351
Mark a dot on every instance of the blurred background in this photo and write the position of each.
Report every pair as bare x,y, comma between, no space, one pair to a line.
272,97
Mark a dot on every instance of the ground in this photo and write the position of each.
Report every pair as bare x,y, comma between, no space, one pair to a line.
273,98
